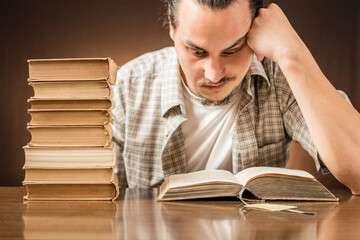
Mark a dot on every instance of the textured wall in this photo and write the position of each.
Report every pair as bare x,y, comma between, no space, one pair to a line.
123,30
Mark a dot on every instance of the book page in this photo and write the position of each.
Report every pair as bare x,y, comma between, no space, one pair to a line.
199,177
249,173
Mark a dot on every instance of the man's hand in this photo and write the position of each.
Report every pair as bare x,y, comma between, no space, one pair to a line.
271,35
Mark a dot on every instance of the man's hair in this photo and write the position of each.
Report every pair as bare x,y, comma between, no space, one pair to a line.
171,7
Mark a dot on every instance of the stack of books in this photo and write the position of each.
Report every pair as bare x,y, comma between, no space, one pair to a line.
71,155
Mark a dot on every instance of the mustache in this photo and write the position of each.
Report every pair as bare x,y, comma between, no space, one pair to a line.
223,80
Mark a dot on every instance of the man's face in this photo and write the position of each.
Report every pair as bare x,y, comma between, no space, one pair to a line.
211,47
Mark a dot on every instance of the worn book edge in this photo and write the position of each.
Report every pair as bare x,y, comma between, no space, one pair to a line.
190,186
114,182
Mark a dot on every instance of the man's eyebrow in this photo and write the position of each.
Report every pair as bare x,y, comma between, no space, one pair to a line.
190,43
236,43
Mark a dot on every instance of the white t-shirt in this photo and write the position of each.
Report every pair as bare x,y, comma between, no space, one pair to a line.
208,133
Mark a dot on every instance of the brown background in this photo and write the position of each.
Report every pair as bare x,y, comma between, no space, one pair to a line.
123,30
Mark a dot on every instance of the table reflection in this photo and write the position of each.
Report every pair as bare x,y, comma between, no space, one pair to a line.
137,215
343,222
259,224
70,220
215,219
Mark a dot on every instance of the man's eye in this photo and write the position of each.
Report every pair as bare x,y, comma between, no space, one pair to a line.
229,53
197,52
233,51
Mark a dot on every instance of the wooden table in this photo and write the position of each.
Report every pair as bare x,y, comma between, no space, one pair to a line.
137,215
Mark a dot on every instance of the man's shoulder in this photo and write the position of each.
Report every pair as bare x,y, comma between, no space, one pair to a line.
149,63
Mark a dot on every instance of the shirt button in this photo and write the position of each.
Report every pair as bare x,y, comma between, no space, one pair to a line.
167,132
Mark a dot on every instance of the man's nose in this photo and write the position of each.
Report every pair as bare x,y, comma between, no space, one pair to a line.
214,70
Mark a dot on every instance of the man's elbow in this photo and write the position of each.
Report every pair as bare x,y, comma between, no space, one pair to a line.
350,180
355,191
354,186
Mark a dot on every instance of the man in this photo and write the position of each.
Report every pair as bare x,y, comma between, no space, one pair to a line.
210,103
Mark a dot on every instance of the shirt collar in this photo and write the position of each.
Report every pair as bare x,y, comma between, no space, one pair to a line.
256,68
172,95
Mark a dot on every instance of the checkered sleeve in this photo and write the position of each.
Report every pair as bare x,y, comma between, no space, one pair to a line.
118,125
294,121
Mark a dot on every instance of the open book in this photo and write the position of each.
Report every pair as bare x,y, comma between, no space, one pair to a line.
264,183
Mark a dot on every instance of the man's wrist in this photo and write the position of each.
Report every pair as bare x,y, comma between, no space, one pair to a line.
294,59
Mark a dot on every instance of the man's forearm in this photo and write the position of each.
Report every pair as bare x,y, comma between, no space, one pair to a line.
333,123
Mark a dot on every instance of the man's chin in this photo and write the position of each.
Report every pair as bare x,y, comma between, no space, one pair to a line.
215,98
219,99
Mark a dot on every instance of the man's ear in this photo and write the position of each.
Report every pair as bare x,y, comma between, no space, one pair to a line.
171,31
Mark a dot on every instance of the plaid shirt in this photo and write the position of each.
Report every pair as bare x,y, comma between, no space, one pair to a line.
149,110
